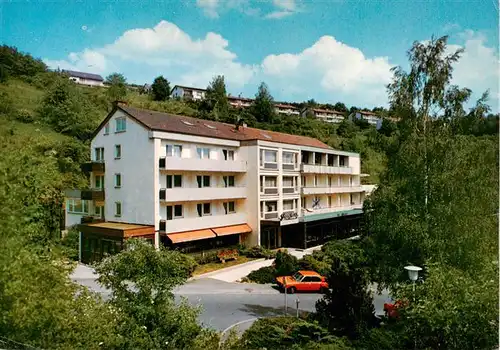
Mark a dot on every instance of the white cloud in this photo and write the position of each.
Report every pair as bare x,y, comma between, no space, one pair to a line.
284,8
330,67
279,14
209,7
478,67
164,48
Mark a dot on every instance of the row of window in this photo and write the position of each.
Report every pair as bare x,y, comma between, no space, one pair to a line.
99,153
272,206
332,182
174,181
272,182
201,152
77,206
271,157
203,209
120,125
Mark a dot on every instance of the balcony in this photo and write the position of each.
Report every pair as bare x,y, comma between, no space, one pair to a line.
269,215
324,213
325,169
289,167
290,190
269,191
93,194
195,164
93,167
332,190
199,223
183,194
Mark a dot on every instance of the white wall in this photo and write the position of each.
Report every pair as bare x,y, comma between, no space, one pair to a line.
136,166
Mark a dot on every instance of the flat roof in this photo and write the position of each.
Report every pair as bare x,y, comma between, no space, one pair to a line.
117,225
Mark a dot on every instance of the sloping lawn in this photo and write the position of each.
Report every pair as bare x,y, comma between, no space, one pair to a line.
214,266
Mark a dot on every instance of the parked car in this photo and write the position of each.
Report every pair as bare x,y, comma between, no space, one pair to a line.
303,281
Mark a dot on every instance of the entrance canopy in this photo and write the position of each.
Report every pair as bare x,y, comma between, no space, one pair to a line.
188,236
117,229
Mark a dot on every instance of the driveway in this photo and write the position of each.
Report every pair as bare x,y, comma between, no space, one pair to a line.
227,303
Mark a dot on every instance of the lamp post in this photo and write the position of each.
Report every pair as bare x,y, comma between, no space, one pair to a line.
297,302
413,276
286,302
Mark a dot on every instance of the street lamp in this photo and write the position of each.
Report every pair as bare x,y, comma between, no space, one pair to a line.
413,275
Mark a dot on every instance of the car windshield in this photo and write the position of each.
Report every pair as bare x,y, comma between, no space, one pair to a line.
298,277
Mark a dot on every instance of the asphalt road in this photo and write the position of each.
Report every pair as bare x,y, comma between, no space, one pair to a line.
225,304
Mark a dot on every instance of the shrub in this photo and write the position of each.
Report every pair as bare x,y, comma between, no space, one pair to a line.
286,264
288,333
25,116
314,263
205,257
70,243
263,275
256,252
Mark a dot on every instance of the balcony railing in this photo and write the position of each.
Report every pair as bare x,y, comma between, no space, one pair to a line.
199,223
323,189
188,194
290,190
95,166
195,164
270,166
271,215
332,209
270,190
324,169
289,166
92,195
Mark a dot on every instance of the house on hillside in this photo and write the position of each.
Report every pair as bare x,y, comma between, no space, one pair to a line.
326,115
239,102
286,109
199,185
370,117
83,78
188,93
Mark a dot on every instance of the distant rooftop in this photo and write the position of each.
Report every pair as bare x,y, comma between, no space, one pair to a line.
83,75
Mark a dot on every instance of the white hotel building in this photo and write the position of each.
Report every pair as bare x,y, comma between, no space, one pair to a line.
196,185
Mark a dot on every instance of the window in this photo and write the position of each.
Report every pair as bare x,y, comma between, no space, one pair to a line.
287,181
99,211
118,209
288,158
174,151
329,181
271,206
203,181
99,181
99,154
204,209
270,181
270,156
118,180
228,155
203,153
329,202
174,181
106,129
229,207
228,181
77,206
118,151
288,205
315,180
121,124
174,211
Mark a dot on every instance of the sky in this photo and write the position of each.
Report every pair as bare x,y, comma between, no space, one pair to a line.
328,50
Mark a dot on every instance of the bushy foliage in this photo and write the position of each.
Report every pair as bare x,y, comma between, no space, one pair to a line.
160,90
17,64
256,252
285,264
263,105
117,86
347,307
289,333
266,274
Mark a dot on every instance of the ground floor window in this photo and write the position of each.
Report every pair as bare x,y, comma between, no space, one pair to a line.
269,237
95,248
204,245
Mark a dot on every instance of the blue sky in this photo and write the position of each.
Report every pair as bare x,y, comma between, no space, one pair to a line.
327,50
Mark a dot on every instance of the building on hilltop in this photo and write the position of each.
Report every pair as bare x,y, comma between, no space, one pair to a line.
198,185
370,117
326,115
188,93
286,109
83,78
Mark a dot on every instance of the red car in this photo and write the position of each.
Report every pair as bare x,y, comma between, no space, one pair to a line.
303,281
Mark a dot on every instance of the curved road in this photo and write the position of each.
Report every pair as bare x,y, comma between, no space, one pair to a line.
227,303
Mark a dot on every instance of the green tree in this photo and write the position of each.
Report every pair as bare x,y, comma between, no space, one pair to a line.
216,98
340,107
17,64
347,307
117,86
450,310
263,105
160,90
142,281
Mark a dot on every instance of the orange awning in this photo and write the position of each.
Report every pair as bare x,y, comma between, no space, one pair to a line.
190,236
232,230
